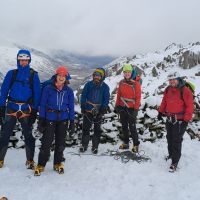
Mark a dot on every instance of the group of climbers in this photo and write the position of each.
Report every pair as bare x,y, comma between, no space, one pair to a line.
21,98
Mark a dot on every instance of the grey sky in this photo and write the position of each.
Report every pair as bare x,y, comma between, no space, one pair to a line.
99,27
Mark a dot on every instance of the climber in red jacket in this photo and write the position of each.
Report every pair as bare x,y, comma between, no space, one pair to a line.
177,105
127,105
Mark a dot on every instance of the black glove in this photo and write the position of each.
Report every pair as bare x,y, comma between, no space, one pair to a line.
94,112
71,128
82,111
160,115
2,114
102,111
41,125
184,123
117,109
135,113
32,117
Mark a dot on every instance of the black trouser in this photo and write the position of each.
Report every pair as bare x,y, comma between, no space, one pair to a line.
7,131
88,120
55,129
128,121
175,134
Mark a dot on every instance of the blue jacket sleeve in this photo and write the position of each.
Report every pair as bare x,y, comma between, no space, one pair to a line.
5,88
36,91
43,103
106,96
84,96
71,104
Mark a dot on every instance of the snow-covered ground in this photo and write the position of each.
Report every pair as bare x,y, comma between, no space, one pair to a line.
102,177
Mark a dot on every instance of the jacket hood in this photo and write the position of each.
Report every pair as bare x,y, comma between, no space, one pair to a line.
23,51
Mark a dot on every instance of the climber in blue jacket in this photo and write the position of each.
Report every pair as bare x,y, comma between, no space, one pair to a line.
94,103
19,100
56,110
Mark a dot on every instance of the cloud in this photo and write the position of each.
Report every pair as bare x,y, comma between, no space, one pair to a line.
100,27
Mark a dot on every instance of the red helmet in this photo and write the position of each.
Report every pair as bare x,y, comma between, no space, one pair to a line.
62,70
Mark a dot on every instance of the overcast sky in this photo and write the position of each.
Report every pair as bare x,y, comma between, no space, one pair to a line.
100,27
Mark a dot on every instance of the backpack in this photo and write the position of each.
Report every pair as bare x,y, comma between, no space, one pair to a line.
13,79
191,86
187,84
136,77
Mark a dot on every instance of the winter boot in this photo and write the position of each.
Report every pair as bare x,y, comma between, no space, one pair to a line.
135,148
30,164
124,146
82,149
38,169
173,167
1,163
94,150
59,168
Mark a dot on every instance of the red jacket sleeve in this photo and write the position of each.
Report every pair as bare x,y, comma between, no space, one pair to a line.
137,95
118,95
163,104
189,104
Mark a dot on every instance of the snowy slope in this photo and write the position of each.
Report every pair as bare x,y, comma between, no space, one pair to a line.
40,62
150,60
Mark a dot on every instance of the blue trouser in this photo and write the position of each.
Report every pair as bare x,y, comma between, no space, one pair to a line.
7,131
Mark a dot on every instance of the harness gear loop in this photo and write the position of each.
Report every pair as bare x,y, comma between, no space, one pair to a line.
20,113
94,109
125,100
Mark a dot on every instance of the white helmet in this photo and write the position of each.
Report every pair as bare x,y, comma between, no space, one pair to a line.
23,57
173,75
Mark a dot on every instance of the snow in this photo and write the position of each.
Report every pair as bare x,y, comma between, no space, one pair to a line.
102,177
152,101
152,113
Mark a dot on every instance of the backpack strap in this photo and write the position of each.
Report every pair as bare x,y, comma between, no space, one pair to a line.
14,75
13,79
122,82
181,91
32,72
125,100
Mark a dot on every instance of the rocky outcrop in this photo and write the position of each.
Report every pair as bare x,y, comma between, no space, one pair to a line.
189,59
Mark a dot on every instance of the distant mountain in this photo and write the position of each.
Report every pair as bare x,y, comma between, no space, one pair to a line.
80,60
78,66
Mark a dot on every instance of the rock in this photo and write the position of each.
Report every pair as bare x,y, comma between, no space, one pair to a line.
197,74
189,59
154,72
